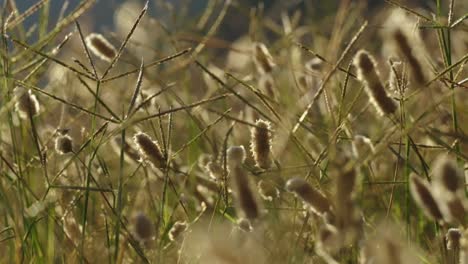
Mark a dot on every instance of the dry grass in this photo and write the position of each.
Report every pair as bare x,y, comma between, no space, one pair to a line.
166,140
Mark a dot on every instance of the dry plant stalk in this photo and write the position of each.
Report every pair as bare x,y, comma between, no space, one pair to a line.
262,58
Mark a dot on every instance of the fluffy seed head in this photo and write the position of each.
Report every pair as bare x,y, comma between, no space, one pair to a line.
177,230
262,58
63,144
423,196
149,149
362,146
454,208
405,49
100,47
129,151
245,198
367,73
447,176
260,144
244,224
236,155
453,237
267,190
143,227
27,105
314,65
312,197
215,170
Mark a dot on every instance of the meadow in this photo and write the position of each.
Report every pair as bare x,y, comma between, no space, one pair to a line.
242,132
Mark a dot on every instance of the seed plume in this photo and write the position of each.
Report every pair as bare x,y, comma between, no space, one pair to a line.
27,105
246,199
177,230
453,237
423,196
260,144
143,227
64,144
405,48
368,74
100,46
312,197
149,149
447,176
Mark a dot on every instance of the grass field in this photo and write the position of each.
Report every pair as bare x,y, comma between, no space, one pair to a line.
284,132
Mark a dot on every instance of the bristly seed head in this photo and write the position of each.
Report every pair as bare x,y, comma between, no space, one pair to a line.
143,227
260,144
447,176
423,196
149,149
453,237
312,197
414,64
63,144
177,230
101,47
367,73
27,105
236,155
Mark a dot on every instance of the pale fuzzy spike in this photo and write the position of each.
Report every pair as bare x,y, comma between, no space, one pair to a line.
312,197
260,144
27,104
63,144
368,74
422,194
245,198
149,149
453,237
236,154
100,47
447,176
143,227
215,170
267,190
177,230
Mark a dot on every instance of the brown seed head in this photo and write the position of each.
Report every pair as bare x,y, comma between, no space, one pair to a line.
367,73
312,197
143,227
260,144
423,196
453,237
177,230
27,105
100,47
64,144
149,149
447,176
